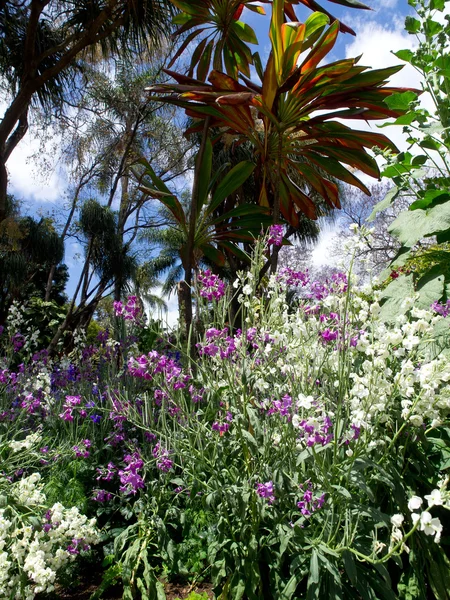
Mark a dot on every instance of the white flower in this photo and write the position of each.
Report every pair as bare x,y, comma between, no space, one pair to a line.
430,526
434,499
247,290
397,520
415,503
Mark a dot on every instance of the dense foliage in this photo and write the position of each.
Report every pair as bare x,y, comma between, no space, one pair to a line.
301,455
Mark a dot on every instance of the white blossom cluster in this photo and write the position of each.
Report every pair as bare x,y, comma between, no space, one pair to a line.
31,440
38,552
422,520
388,368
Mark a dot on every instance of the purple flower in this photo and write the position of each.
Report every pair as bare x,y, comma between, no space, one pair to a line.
129,476
102,496
265,490
163,463
329,336
275,235
441,309
95,418
220,427
210,286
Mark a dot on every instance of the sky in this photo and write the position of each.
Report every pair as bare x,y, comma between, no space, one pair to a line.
42,183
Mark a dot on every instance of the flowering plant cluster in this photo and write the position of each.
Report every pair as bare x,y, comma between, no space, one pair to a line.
294,431
36,545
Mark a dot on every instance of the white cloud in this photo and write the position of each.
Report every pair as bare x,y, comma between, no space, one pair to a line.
387,3
27,179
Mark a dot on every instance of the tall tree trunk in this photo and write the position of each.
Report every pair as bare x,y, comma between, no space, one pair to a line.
8,143
125,184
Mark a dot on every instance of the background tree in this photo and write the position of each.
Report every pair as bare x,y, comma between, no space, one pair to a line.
42,44
382,247
27,248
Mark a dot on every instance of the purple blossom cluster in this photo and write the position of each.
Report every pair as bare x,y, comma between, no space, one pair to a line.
130,311
265,490
275,235
222,426
82,450
146,367
308,504
316,431
163,461
441,309
218,342
107,473
281,407
130,478
210,286
77,545
69,406
292,278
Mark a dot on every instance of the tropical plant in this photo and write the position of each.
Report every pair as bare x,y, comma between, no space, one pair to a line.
212,233
224,36
293,142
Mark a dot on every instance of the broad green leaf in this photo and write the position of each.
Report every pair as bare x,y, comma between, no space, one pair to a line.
245,32
350,567
204,62
437,4
410,226
406,55
383,204
315,22
431,287
314,567
213,254
430,144
412,25
401,101
313,588
230,183
393,296
276,23
429,198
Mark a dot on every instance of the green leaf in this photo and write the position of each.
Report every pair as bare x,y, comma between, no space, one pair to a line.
411,226
401,101
412,25
350,567
430,144
230,183
204,62
438,567
431,287
245,32
437,4
429,199
313,588
383,204
406,55
393,296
